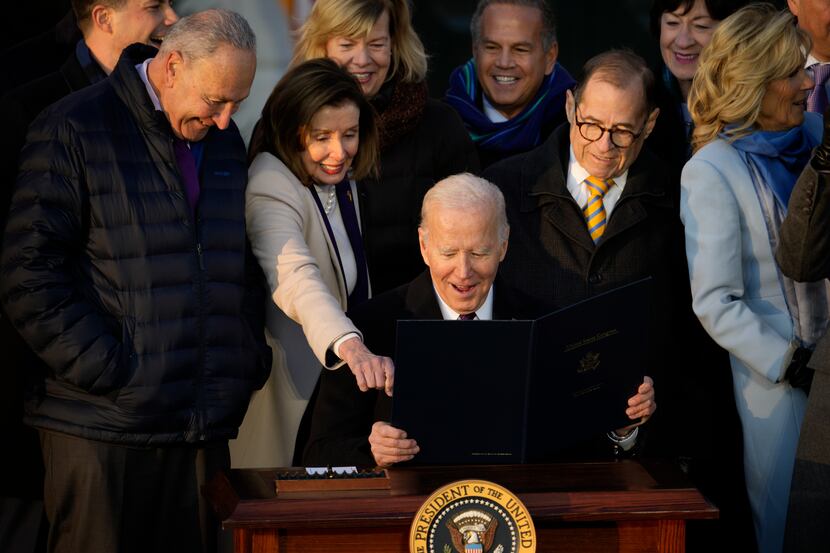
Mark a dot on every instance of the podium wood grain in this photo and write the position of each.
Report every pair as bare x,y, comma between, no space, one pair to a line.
625,506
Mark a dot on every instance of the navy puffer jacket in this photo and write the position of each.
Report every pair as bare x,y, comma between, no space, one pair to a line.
149,318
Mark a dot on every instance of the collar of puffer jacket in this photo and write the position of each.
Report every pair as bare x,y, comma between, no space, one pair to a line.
131,90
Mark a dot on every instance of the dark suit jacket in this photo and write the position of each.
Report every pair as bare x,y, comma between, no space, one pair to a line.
343,415
668,139
804,254
552,258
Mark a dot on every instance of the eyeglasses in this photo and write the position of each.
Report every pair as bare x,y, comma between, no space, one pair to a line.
621,138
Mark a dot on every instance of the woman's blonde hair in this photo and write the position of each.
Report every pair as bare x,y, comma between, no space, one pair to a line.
355,19
751,48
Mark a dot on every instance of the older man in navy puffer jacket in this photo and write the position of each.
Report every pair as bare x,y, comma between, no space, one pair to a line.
126,268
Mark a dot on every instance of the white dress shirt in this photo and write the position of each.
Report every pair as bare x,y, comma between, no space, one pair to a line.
142,72
494,115
579,190
483,313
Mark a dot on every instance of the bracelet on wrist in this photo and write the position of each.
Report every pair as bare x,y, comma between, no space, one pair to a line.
617,439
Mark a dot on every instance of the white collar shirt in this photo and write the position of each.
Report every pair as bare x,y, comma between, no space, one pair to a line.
142,72
483,313
494,115
579,190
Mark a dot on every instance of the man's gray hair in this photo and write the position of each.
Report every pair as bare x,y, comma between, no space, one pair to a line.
467,192
199,35
619,68
548,21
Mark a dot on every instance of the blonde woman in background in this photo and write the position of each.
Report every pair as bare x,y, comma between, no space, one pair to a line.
752,138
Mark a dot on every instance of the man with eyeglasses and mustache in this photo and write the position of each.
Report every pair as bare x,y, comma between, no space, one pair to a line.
590,210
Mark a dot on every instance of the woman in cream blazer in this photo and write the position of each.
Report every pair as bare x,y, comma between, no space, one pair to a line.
297,234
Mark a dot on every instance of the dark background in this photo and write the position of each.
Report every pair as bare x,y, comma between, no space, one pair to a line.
583,29
29,18
444,26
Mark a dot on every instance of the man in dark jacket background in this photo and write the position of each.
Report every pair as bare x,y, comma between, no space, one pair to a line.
126,269
107,27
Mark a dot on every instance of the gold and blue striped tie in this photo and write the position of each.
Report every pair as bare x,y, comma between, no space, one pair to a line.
594,210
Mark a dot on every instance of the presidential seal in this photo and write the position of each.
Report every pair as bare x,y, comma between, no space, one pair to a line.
472,516
589,363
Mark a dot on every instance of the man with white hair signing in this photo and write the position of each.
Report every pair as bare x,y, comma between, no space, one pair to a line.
463,238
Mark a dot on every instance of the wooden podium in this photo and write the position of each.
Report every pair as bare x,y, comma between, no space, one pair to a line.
625,506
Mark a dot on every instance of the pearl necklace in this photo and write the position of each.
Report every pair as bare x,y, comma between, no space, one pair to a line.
331,200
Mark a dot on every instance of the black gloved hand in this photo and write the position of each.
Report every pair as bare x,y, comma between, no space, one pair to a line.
798,373
821,158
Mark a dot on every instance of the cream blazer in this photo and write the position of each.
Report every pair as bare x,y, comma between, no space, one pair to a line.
289,238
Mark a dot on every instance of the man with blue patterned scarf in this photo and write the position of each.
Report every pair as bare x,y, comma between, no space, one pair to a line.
511,94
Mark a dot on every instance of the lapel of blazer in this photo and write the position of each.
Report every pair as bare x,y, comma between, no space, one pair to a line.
645,183
421,300
321,220
504,301
544,187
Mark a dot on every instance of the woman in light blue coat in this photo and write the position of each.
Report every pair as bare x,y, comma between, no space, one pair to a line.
752,138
